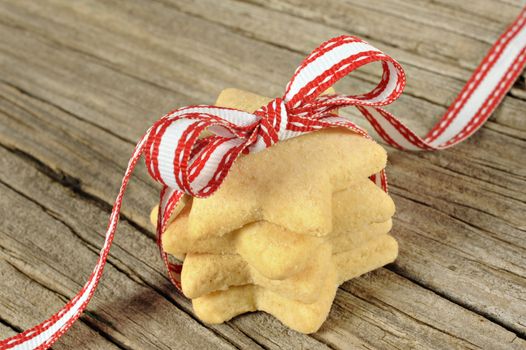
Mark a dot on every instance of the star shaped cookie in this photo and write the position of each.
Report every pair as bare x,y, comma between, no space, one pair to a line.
289,184
360,212
220,306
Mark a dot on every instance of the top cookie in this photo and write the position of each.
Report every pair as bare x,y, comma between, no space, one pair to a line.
290,183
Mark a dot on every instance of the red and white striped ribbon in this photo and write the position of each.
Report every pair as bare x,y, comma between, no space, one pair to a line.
186,163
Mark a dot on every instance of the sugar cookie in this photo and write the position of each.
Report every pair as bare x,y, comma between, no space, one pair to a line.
268,185
205,273
278,253
218,307
221,306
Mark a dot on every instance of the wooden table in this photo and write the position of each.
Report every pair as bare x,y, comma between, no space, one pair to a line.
81,81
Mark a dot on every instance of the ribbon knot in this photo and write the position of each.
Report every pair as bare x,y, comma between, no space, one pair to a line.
272,123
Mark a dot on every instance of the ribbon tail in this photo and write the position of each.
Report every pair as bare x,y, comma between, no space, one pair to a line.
475,103
169,200
43,335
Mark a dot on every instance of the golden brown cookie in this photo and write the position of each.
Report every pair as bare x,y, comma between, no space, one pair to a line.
270,185
206,273
221,306
360,212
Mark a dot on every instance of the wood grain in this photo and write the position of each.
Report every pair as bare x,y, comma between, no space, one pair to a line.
81,81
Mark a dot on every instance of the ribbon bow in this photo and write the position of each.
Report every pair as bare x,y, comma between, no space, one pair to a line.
186,163
179,159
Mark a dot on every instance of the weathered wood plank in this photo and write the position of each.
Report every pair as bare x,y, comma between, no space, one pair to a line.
412,27
135,62
444,90
379,302
81,223
432,323
444,80
58,252
23,301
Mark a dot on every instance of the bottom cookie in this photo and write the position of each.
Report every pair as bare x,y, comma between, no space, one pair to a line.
217,307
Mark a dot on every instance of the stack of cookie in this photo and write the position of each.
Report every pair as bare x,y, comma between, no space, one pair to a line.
286,228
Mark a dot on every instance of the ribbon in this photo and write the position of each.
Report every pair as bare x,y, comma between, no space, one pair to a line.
187,164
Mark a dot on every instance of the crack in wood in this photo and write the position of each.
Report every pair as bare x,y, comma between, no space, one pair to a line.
75,185
9,325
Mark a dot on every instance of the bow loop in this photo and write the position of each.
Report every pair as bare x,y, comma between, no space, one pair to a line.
192,149
333,60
